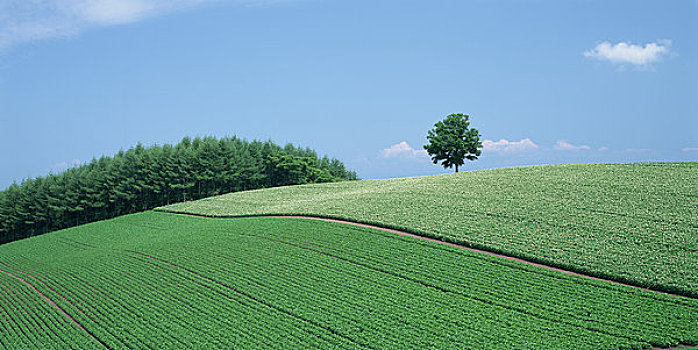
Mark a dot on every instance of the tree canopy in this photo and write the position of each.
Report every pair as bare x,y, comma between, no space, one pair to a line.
142,178
452,141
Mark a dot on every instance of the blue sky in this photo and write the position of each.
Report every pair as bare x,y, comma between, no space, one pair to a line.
363,81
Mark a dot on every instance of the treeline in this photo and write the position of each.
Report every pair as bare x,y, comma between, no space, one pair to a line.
142,178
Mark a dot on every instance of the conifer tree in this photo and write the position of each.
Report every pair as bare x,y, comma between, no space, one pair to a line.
142,178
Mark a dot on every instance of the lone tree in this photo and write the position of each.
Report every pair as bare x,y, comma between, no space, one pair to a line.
451,141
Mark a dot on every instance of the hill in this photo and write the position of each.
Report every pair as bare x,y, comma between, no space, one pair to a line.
636,223
164,280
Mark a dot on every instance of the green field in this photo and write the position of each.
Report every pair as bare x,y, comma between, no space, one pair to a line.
166,280
636,223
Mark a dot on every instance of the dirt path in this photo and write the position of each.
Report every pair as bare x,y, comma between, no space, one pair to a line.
403,233
52,303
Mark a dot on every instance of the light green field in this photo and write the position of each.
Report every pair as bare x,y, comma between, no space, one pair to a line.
636,223
158,280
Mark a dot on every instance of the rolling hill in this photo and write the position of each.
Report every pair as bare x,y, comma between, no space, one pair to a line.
635,223
242,280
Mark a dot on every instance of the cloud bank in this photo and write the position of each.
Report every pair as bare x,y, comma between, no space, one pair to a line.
508,146
402,150
628,53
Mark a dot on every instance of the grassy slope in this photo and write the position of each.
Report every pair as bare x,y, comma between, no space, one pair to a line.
165,280
636,223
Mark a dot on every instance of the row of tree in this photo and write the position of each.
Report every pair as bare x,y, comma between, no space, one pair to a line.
142,178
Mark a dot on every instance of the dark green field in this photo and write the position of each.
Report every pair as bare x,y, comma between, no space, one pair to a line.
636,223
165,280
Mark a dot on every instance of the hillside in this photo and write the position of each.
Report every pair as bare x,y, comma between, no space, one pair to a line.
636,223
166,280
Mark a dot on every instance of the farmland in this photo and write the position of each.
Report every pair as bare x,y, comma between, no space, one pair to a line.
636,223
166,280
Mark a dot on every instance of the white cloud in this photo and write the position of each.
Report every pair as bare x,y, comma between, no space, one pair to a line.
31,20
110,12
404,150
561,145
626,52
690,149
508,146
603,148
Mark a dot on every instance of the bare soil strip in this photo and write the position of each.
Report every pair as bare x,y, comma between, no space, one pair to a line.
52,303
404,233
674,348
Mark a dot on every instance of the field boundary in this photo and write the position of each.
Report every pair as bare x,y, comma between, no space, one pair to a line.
462,245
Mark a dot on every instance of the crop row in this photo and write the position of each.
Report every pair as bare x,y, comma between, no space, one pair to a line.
29,321
343,308
507,288
134,304
522,287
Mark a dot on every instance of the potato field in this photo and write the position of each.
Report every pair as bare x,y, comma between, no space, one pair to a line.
159,280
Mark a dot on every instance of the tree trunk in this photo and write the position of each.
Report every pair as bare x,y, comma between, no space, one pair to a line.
456,167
